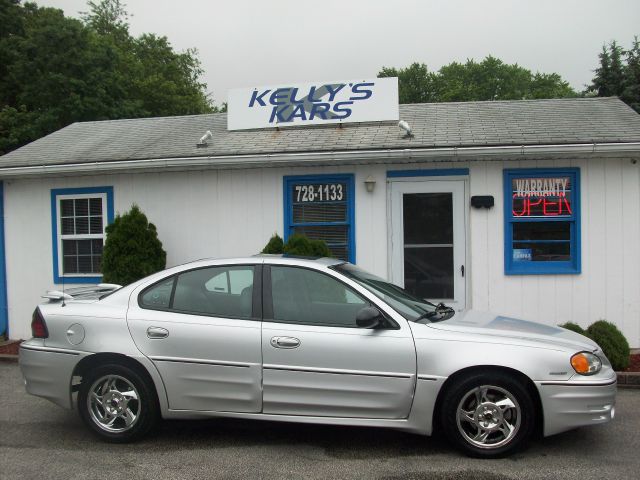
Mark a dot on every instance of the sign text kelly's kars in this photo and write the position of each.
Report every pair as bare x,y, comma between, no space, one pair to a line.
314,103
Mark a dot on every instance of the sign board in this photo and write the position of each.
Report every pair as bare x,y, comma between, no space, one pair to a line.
542,197
319,103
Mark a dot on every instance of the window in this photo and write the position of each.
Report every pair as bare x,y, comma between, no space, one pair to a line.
158,296
217,291
322,208
306,297
79,218
542,221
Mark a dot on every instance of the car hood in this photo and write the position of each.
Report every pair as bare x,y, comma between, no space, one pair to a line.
498,326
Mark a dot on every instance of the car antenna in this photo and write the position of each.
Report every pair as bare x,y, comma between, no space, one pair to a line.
63,304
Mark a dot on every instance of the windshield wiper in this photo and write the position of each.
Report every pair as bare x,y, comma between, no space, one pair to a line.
441,309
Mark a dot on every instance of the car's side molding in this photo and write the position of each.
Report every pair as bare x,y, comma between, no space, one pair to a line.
337,371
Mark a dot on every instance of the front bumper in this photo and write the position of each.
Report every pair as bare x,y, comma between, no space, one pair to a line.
568,405
48,372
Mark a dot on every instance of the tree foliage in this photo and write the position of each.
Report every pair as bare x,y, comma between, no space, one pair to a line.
56,70
618,74
132,250
490,79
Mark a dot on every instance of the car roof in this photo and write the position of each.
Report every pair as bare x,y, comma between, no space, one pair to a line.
266,258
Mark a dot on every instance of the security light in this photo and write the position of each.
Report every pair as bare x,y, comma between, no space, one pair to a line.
405,126
203,140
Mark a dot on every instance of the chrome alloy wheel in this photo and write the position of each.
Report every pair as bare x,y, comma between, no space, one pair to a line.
114,403
488,416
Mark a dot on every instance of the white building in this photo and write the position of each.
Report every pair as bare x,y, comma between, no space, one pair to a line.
559,241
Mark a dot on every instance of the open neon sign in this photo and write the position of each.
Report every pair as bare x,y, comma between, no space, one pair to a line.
542,197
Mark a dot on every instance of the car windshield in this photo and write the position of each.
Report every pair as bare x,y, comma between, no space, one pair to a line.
409,306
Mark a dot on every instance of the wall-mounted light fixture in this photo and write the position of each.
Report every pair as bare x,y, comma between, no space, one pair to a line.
370,183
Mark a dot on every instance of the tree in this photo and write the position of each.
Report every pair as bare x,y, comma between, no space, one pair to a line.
132,250
490,79
56,70
297,244
631,91
618,74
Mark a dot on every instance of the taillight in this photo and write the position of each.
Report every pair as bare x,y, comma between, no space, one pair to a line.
38,327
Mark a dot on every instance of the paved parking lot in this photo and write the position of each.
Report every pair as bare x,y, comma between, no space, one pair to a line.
41,440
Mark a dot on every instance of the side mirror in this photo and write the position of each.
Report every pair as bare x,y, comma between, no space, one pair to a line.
369,317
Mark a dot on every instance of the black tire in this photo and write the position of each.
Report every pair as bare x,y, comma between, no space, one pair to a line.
480,428
122,385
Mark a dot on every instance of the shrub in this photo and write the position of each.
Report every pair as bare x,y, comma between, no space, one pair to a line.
574,327
275,245
297,244
132,249
612,342
302,246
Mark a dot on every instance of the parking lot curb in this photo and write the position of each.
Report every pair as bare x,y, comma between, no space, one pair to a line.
4,357
628,379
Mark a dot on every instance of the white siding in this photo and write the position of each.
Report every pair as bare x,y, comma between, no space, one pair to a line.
229,213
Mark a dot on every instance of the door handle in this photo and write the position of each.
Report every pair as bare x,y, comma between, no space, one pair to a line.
285,342
157,332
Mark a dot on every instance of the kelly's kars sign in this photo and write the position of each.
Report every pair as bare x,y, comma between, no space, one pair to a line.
313,103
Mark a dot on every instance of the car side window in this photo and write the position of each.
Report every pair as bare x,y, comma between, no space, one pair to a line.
307,297
217,291
158,296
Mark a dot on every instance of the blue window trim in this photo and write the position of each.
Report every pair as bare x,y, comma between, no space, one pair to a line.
572,266
57,279
4,317
431,172
324,178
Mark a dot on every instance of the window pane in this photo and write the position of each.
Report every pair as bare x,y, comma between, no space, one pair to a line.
84,247
307,297
96,246
95,206
82,225
541,231
66,208
158,296
96,225
96,263
198,291
428,218
319,212
69,247
84,264
68,226
541,252
82,207
428,272
70,264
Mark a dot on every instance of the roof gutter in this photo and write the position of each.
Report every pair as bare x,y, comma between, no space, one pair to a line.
450,154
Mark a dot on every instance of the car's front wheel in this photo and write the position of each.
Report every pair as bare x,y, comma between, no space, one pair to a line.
117,403
488,415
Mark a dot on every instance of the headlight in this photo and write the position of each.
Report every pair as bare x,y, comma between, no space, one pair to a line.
586,363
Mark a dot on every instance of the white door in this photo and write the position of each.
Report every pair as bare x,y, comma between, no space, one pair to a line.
428,237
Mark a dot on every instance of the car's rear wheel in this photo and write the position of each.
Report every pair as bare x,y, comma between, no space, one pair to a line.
488,415
117,403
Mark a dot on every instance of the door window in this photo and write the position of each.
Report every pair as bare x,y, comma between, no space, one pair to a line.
308,297
428,244
216,291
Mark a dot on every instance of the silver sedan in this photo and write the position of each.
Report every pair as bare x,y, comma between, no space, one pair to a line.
310,341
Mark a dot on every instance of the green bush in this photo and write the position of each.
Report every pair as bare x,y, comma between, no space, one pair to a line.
299,245
612,342
275,245
302,246
132,249
574,327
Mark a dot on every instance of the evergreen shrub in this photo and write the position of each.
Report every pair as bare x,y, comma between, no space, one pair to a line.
574,327
612,342
132,249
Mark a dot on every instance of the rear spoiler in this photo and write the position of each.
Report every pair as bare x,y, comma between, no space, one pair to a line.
81,293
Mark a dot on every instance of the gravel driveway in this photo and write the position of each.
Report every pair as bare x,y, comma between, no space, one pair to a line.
40,440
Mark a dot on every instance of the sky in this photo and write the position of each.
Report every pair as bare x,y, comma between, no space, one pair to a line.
247,43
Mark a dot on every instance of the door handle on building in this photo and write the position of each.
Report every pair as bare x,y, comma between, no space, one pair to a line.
285,342
462,270
157,332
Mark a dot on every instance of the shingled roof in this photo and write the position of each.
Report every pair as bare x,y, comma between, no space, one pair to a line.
435,125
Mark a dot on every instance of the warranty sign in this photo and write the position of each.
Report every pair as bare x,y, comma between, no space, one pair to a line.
313,104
